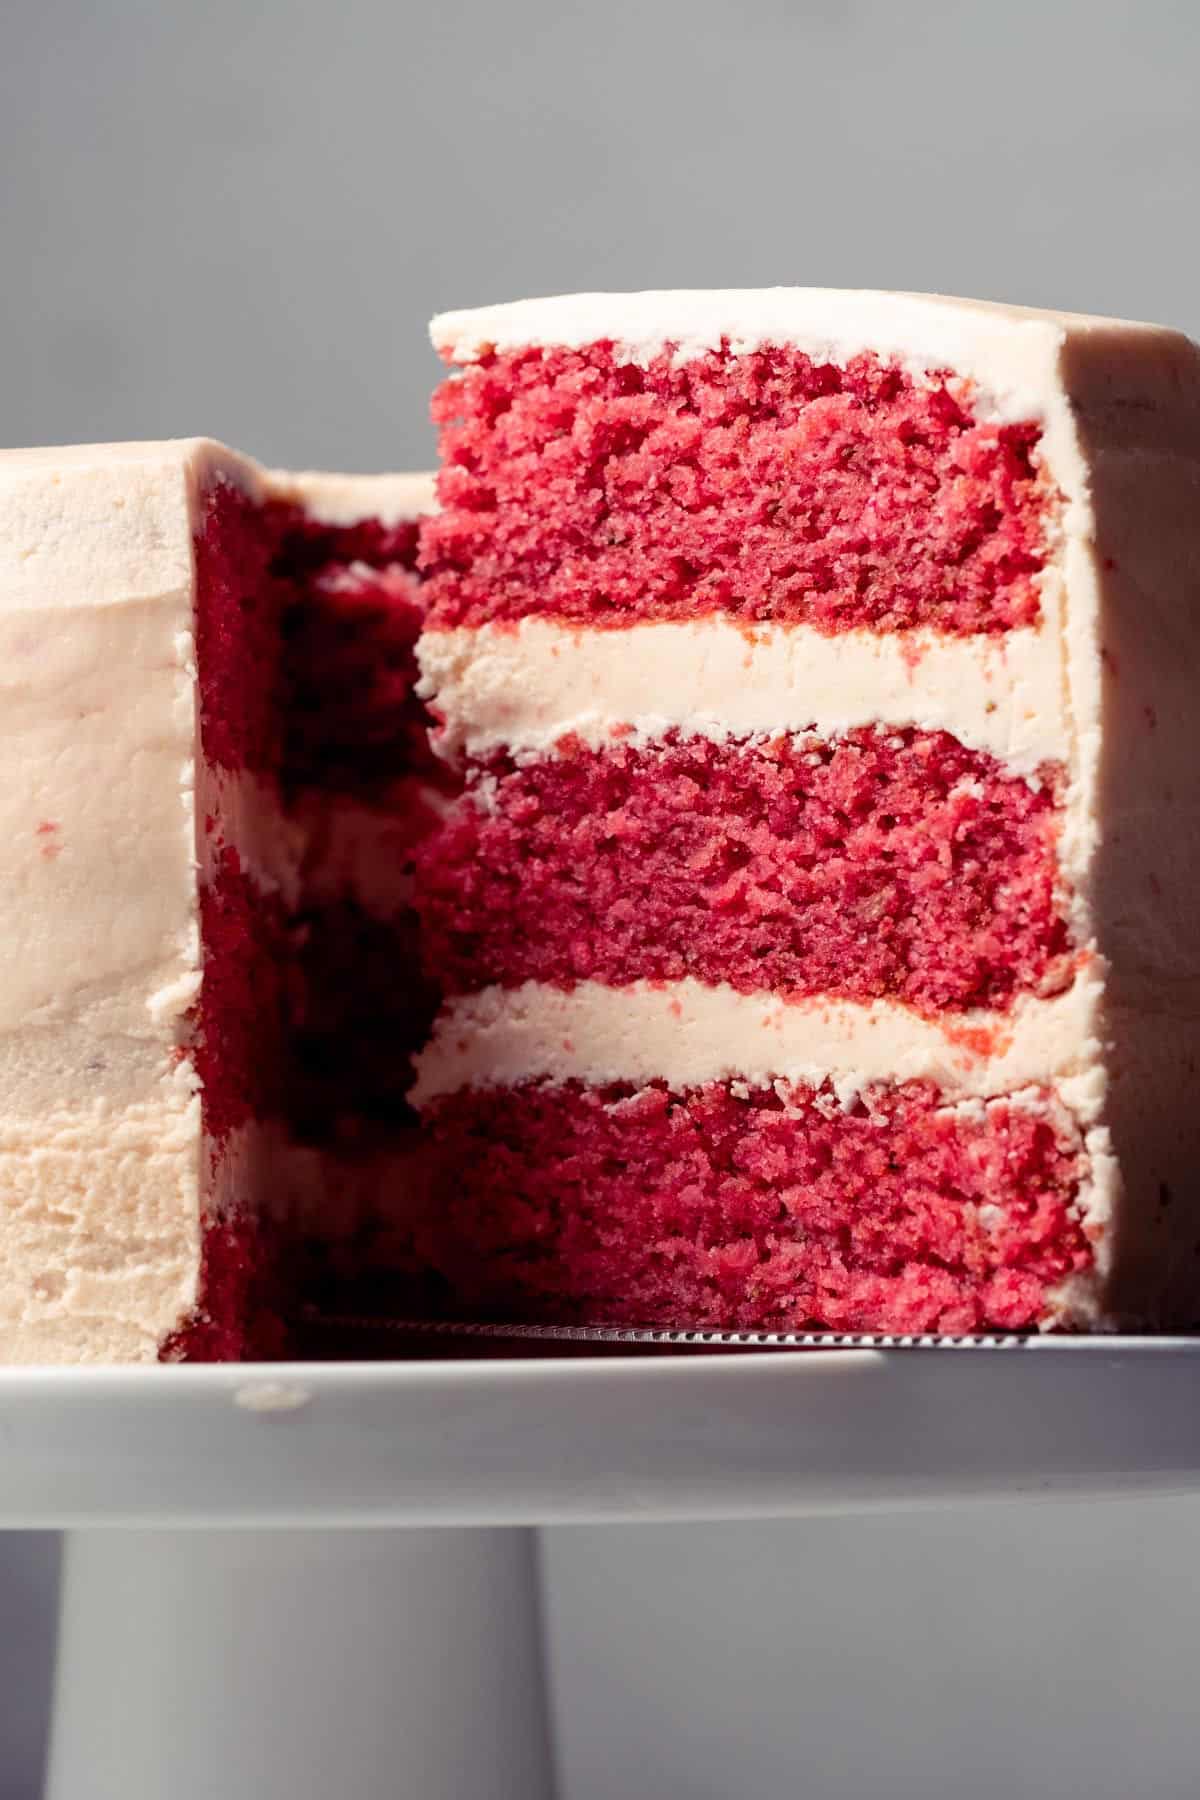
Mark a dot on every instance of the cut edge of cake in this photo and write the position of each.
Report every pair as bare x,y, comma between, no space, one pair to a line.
1117,411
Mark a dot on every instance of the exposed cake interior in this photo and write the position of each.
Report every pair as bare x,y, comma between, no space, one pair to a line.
753,1208
312,1002
386,931
882,864
581,485
730,1020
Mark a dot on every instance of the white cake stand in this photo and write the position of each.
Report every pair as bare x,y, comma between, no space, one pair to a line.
209,1644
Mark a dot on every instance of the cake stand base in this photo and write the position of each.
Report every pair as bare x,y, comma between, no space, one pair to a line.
256,1626
300,1665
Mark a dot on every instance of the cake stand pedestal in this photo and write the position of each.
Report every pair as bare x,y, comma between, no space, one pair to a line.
236,1639
284,1665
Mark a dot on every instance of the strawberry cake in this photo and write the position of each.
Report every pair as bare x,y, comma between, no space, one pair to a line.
727,863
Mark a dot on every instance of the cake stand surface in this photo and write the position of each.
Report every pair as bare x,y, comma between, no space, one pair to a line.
207,1661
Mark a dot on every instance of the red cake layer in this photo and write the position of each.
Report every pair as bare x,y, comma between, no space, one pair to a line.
305,645
237,632
306,638
237,1313
579,487
306,545
360,1010
880,864
240,1036
777,1211
351,721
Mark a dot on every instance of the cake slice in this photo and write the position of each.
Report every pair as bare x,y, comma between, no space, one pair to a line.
817,926
214,773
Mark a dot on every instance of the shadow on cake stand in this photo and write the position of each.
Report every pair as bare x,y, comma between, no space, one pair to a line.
325,1582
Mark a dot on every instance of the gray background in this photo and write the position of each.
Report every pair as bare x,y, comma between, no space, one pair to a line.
235,218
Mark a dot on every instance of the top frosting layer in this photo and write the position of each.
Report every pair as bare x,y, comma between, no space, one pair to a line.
93,526
349,499
1005,350
101,524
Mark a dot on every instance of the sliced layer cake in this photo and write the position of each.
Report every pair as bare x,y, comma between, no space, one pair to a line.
817,927
794,929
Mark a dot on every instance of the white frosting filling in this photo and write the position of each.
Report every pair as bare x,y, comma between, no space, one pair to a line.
524,688
687,1033
1008,352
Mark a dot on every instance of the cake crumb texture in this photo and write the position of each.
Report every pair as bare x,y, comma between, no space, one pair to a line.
752,1209
763,486
882,864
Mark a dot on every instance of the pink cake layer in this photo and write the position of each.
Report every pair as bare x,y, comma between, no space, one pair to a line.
775,1210
882,864
763,486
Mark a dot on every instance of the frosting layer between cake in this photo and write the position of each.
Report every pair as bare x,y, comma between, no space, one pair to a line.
686,1033
524,687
